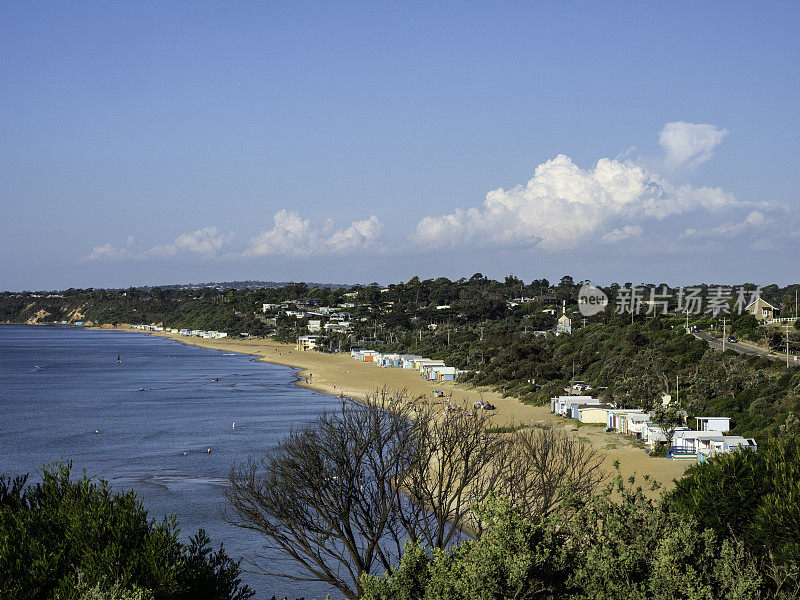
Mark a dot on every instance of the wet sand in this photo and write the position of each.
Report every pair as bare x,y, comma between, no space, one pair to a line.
338,373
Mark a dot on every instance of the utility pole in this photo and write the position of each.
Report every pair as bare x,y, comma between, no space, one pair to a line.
724,323
572,383
787,345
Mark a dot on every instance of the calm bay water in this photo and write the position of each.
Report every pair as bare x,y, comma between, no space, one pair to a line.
59,385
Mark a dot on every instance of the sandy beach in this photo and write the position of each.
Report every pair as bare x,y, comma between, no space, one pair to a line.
338,373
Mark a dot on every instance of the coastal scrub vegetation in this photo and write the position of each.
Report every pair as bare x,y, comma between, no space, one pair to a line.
608,546
74,539
376,499
754,496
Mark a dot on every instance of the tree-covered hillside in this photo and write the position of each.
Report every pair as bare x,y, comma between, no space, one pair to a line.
500,333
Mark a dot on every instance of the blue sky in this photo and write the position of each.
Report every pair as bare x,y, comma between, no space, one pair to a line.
147,143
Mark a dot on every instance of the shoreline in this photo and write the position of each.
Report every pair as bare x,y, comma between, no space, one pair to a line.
333,374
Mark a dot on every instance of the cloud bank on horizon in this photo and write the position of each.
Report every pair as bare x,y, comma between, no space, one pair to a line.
295,236
562,207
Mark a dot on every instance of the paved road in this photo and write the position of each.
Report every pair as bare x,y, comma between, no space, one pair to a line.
740,347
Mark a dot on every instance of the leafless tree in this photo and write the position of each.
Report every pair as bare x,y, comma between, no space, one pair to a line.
457,464
340,497
325,498
544,463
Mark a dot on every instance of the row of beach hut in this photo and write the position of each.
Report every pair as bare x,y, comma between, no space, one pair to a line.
430,369
215,335
694,444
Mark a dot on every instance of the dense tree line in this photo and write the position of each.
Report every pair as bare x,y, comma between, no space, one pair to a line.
472,324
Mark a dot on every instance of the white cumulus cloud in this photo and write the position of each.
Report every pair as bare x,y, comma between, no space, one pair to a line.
689,144
206,242
295,236
624,233
109,252
564,206
755,221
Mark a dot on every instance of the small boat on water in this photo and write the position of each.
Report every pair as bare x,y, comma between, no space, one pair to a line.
119,360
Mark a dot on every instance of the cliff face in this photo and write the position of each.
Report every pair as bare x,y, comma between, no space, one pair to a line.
39,316
76,315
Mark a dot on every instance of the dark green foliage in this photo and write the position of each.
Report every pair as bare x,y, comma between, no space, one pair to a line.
596,548
62,534
754,496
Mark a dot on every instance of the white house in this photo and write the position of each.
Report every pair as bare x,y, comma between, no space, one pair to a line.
314,324
713,424
685,440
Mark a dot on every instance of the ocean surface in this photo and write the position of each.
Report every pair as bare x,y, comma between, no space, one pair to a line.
59,385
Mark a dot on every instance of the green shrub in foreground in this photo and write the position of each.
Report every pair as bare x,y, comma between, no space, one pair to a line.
70,539
602,549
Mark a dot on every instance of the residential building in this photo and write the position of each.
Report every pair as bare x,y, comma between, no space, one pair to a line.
762,310
713,424
564,324
308,342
